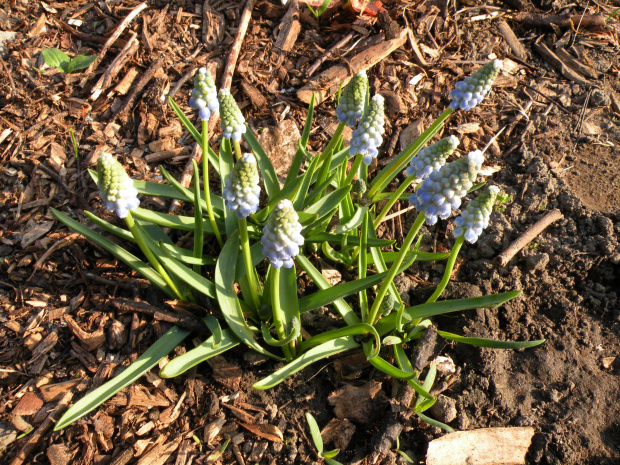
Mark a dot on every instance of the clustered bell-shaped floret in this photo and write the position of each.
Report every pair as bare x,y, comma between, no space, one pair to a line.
475,217
472,90
204,95
282,235
232,121
366,137
431,158
241,191
444,188
353,99
115,187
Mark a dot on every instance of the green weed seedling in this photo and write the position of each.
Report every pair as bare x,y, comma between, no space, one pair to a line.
315,433
58,59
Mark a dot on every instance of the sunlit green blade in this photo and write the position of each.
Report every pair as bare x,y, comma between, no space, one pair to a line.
109,227
318,191
295,332
326,349
216,200
188,276
116,250
286,193
430,377
165,220
198,226
336,239
186,122
385,325
388,368
336,161
256,251
268,173
186,256
288,294
303,142
424,404
380,265
388,257
315,431
353,330
490,343
403,362
214,326
200,353
225,271
434,422
326,204
353,223
144,363
347,314
302,192
149,188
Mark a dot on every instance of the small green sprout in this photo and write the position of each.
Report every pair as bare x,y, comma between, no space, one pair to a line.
536,245
60,60
317,13
318,441
501,201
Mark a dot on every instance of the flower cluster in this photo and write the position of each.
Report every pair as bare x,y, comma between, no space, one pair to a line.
431,158
366,137
241,191
444,188
204,95
353,99
282,235
472,90
475,217
232,121
115,187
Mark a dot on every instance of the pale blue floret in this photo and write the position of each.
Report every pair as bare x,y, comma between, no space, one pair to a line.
115,186
282,235
204,95
351,103
431,158
472,90
475,217
241,191
366,137
443,190
232,121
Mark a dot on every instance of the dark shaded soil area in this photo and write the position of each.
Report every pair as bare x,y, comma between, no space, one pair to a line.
60,337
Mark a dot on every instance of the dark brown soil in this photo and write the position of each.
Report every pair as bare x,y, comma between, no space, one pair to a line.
559,151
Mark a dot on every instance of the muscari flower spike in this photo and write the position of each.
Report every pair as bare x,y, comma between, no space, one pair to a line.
366,137
444,188
472,90
431,158
282,235
475,217
115,187
241,191
353,99
232,121
204,95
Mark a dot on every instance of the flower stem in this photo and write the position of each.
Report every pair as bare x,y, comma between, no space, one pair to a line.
150,256
354,168
247,261
374,311
237,147
393,199
334,140
362,264
278,314
449,267
205,180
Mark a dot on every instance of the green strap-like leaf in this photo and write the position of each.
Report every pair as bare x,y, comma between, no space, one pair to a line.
294,334
353,330
490,343
165,220
303,142
315,431
434,422
325,350
336,239
200,353
353,223
116,250
144,363
270,178
188,276
225,271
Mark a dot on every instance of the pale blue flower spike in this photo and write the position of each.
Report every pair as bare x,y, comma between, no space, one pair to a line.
232,121
475,217
443,190
431,158
353,99
282,235
204,95
472,90
241,190
367,136
115,186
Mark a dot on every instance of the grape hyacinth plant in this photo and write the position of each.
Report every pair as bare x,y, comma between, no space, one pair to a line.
253,237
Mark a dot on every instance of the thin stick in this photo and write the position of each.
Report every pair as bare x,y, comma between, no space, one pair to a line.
328,53
131,47
502,259
235,49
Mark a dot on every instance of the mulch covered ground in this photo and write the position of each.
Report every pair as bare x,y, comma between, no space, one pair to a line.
558,99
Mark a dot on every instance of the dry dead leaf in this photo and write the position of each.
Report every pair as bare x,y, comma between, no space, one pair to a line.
269,432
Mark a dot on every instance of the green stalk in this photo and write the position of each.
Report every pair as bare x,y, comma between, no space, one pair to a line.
150,256
278,314
198,225
356,164
449,267
362,264
250,272
389,172
205,181
393,199
374,311
237,147
334,140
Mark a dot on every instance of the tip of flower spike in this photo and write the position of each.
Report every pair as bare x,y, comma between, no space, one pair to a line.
282,235
115,186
